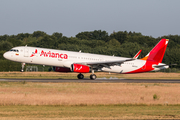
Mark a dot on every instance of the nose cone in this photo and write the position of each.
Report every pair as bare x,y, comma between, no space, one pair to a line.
5,55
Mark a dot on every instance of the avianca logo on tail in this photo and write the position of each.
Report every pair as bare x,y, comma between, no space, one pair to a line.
157,53
167,40
51,54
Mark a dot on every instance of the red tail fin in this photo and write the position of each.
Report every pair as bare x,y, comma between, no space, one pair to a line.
157,53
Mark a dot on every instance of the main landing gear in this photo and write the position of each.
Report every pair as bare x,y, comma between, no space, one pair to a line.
92,76
80,76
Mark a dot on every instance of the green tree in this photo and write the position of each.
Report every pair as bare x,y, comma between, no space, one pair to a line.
15,42
38,34
47,42
5,46
120,36
57,35
113,42
21,36
4,37
93,35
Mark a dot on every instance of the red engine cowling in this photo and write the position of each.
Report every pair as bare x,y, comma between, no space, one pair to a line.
80,68
61,69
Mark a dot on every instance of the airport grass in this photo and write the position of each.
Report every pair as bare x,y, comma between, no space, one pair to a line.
103,75
27,93
27,100
120,111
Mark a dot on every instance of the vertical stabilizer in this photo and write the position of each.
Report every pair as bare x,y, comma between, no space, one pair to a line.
157,53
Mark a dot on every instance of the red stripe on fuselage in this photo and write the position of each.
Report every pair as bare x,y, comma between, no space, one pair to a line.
145,68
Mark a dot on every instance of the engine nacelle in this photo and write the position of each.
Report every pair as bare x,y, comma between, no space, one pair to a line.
61,69
80,68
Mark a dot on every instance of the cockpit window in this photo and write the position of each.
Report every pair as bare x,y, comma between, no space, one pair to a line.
14,50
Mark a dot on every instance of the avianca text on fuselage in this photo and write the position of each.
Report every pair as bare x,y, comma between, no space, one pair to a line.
50,54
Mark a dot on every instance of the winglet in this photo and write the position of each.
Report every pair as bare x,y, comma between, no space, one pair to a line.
137,55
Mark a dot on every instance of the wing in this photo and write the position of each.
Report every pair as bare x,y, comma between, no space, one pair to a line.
107,64
101,64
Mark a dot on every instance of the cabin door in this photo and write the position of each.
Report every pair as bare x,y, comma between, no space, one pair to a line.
26,52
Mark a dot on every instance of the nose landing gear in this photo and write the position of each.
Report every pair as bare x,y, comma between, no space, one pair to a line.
22,67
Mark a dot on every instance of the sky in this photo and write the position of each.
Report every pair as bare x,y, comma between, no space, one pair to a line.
154,18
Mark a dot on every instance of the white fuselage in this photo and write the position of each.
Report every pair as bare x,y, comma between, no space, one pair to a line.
62,58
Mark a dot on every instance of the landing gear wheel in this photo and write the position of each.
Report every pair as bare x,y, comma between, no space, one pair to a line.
22,68
92,76
80,76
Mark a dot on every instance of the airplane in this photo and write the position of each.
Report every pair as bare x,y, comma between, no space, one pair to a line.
69,61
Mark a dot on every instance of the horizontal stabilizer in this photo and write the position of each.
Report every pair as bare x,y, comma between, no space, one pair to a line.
158,66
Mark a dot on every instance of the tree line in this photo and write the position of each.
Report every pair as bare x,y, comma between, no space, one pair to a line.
121,43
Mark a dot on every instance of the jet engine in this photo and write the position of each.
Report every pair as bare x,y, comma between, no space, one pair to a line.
80,68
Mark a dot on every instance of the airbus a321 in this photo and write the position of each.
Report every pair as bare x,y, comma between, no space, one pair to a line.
68,61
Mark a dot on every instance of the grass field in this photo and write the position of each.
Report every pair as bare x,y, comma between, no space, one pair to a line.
26,100
20,93
89,112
